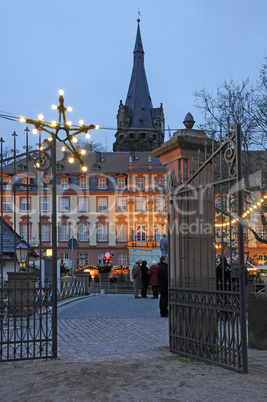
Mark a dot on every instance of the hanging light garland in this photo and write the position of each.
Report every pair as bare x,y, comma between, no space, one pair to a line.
69,140
245,214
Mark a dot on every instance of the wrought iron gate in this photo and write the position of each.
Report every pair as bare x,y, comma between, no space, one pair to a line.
207,295
28,297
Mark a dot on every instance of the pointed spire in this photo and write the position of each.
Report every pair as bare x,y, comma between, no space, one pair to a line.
138,43
138,98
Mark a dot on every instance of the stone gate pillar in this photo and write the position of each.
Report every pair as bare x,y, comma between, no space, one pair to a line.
191,224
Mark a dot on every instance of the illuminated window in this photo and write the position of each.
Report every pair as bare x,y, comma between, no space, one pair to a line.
140,233
140,204
102,232
121,204
122,232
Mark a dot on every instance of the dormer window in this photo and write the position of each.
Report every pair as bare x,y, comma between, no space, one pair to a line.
102,183
121,184
64,184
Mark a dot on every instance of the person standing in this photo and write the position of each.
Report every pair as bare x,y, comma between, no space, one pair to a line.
163,245
162,275
145,279
137,277
153,280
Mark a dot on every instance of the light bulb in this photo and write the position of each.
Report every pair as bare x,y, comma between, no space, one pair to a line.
71,160
81,122
37,165
83,152
69,109
63,149
35,131
54,107
87,135
22,120
40,116
53,123
75,140
50,139
61,92
97,127
69,123
84,168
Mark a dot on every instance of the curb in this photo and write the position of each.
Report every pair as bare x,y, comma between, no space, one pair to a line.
73,299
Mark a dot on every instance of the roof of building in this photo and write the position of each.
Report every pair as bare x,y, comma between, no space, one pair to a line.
99,162
10,238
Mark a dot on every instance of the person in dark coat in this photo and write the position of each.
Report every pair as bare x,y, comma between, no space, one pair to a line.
145,278
162,275
153,280
137,277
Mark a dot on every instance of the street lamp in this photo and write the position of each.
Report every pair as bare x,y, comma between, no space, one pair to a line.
81,261
22,253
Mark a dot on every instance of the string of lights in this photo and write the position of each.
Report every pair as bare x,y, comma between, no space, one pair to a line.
245,214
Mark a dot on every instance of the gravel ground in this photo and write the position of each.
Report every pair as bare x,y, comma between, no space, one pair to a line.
152,376
114,348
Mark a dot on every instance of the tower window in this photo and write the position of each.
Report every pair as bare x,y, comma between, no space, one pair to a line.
143,136
154,137
131,135
141,121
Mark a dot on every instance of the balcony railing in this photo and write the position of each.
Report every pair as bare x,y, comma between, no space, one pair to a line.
144,244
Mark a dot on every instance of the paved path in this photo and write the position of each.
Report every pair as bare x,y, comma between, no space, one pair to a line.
110,325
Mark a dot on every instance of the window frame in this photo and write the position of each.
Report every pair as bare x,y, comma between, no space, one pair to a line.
138,200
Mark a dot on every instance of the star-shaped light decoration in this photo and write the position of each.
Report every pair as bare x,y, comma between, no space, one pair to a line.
70,132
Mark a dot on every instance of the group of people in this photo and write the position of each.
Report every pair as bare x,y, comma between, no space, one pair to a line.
157,277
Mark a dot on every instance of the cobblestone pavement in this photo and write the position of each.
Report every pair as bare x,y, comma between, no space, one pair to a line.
108,325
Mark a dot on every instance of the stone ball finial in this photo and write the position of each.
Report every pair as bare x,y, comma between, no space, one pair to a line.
189,121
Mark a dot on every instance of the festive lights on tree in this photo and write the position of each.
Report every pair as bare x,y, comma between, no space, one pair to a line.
62,124
245,214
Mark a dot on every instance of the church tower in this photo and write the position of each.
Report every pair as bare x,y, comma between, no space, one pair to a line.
140,127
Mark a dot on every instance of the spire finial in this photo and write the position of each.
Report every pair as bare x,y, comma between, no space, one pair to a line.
139,15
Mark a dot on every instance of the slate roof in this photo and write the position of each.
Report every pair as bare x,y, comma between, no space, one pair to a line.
108,163
10,238
138,99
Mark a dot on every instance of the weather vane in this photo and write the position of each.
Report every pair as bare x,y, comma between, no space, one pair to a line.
62,125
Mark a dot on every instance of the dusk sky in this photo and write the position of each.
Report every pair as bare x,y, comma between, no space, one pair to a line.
86,48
